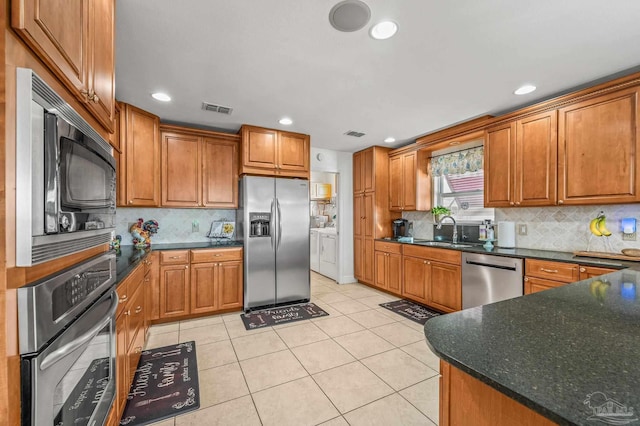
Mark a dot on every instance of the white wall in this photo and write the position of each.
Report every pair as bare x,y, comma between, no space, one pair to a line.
341,163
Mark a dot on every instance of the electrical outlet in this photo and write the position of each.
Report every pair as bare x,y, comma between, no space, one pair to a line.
195,226
522,229
629,237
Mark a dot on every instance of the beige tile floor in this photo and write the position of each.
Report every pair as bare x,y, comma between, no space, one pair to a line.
361,365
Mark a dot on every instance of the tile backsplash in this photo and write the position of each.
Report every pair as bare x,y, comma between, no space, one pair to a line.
563,228
175,224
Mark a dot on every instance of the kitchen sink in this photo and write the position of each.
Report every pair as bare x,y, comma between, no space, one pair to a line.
441,244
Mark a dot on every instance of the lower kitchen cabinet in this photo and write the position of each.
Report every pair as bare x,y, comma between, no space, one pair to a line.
215,286
174,290
388,267
433,277
593,271
543,275
534,285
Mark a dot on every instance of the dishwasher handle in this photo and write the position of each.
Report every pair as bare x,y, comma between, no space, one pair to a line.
489,265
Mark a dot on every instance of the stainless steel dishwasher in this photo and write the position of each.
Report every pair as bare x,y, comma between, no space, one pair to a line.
487,279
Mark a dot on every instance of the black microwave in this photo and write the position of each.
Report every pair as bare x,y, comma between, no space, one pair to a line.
65,177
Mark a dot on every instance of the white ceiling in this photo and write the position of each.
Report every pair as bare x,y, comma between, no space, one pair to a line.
450,61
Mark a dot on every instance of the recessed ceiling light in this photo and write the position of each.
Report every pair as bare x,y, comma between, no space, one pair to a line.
523,90
159,96
286,121
384,30
390,140
349,15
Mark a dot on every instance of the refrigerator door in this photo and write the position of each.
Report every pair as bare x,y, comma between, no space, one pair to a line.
258,196
292,240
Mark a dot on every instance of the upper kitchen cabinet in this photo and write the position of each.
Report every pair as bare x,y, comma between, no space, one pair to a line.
598,157
199,168
520,161
75,39
364,173
274,153
409,182
139,171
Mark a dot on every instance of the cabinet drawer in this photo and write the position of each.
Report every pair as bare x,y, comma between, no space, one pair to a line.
128,286
387,247
147,262
558,271
173,257
534,285
216,255
437,254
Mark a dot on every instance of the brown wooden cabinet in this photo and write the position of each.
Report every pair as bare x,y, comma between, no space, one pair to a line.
152,288
139,172
433,277
593,271
274,153
543,274
174,290
520,162
388,266
199,168
409,183
372,218
598,159
75,39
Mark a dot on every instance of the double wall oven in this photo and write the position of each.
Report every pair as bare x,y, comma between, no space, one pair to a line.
67,345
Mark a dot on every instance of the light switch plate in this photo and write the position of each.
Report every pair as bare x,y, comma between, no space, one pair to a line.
195,226
522,229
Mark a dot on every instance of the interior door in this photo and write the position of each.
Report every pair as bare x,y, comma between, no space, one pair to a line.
292,240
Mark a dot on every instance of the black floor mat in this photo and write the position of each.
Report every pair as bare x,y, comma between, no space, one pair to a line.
275,316
411,310
165,385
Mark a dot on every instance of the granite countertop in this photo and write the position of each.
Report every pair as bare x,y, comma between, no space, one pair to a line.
558,256
128,257
551,350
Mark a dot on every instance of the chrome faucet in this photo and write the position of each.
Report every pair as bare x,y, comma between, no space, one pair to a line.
455,227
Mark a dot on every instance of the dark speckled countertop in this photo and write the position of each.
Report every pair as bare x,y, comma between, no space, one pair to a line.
128,257
550,350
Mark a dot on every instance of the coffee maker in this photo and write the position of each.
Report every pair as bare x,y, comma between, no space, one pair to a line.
399,227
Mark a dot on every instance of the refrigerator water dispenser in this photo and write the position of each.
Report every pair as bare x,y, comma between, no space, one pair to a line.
260,224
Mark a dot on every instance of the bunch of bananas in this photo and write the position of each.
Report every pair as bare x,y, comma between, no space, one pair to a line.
598,289
598,226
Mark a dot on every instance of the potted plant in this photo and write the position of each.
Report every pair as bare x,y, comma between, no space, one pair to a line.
438,212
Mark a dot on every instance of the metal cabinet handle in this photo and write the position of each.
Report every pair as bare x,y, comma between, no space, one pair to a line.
186,266
583,269
552,271
526,279
130,201
147,280
124,298
560,202
517,203
127,312
218,255
138,309
175,257
95,98
511,203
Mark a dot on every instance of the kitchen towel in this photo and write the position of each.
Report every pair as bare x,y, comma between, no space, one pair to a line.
506,234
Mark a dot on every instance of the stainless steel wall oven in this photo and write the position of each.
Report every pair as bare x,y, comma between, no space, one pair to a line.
65,177
67,345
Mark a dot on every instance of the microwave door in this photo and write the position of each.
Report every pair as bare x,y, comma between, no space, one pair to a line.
51,177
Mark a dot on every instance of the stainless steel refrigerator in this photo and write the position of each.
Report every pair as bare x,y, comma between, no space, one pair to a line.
273,222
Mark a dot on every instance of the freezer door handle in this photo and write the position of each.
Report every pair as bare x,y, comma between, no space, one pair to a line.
271,223
279,225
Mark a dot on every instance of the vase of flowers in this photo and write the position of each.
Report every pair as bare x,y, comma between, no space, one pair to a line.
438,212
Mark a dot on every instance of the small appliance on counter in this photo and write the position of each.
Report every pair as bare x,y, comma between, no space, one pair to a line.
400,227
506,234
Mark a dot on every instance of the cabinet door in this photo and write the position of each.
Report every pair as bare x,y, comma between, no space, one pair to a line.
536,160
593,271
368,221
58,31
152,283
534,285
142,159
394,273
181,170
598,157
445,287
230,285
396,182
102,67
368,262
380,279
219,174
368,171
293,152
203,294
416,274
358,215
122,364
259,147
358,253
174,290
409,165
499,157
358,173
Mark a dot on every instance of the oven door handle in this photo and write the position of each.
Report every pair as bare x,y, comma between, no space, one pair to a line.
65,350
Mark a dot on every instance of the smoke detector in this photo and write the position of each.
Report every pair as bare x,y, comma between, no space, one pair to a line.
349,15
354,134
217,108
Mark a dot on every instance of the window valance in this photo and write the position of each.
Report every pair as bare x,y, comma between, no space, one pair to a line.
459,162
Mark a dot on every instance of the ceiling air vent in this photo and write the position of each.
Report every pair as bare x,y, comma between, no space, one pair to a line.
354,134
217,108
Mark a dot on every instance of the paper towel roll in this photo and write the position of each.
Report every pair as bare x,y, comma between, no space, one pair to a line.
506,234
